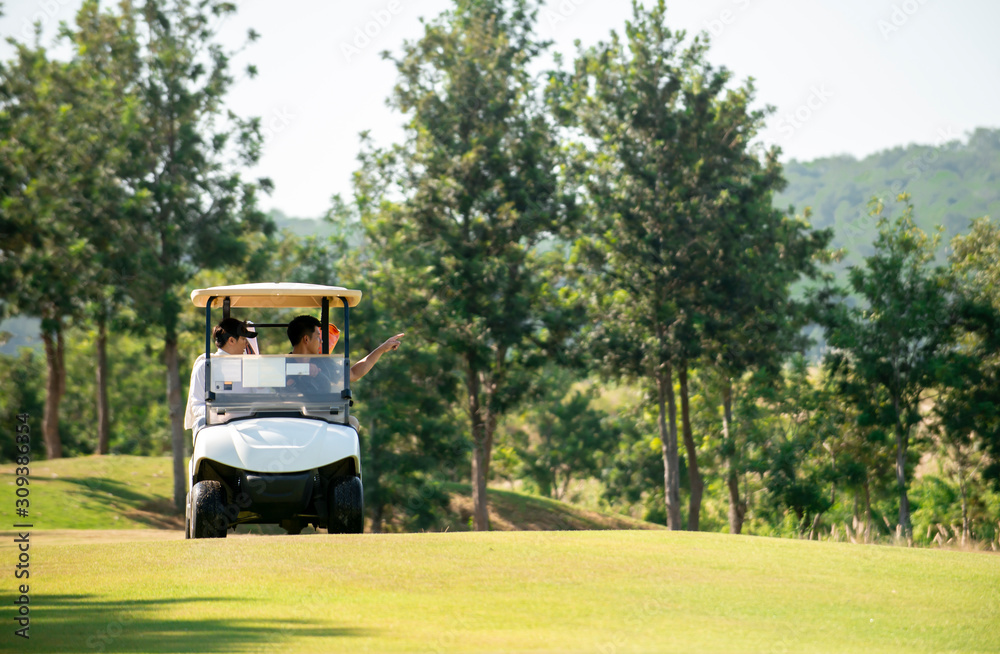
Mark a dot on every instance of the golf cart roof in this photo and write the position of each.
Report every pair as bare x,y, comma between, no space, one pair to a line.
274,295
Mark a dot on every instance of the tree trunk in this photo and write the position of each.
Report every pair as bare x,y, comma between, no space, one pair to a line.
694,476
868,509
491,430
103,417
481,516
480,461
966,524
55,384
902,443
737,508
668,437
176,408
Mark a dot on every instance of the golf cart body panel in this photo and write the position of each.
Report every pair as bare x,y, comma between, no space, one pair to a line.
274,441
272,445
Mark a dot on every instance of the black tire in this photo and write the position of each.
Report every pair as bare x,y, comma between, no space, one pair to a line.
347,506
208,518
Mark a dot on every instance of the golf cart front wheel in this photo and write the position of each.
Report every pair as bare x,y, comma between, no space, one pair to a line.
347,506
208,518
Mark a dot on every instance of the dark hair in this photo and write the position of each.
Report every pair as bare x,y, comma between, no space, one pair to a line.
301,326
231,328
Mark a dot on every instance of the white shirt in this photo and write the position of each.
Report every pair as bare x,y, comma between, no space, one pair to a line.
196,391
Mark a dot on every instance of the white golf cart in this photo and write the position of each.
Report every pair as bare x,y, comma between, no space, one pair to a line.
275,444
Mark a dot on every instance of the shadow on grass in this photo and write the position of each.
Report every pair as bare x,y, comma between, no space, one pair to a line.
99,488
83,623
150,510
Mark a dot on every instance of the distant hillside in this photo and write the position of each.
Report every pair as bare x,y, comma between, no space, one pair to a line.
302,226
950,184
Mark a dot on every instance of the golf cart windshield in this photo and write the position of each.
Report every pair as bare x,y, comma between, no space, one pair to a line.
244,385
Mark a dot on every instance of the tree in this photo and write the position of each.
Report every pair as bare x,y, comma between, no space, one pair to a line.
968,410
976,262
680,198
63,144
887,350
39,267
105,76
199,207
477,180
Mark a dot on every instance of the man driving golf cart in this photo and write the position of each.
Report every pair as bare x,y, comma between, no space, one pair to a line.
269,450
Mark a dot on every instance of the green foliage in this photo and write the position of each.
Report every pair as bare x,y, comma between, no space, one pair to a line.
139,423
887,351
632,471
970,411
410,436
21,391
794,454
560,437
198,204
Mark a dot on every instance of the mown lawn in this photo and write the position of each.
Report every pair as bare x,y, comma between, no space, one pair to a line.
96,492
600,591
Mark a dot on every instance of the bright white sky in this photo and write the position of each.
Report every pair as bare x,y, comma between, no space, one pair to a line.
846,76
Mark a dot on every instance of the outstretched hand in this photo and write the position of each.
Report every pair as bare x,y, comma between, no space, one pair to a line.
361,368
393,343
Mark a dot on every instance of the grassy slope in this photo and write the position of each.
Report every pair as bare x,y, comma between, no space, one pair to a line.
95,492
610,591
128,492
511,511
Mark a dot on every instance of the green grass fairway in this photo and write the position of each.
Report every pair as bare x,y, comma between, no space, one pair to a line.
599,591
97,492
